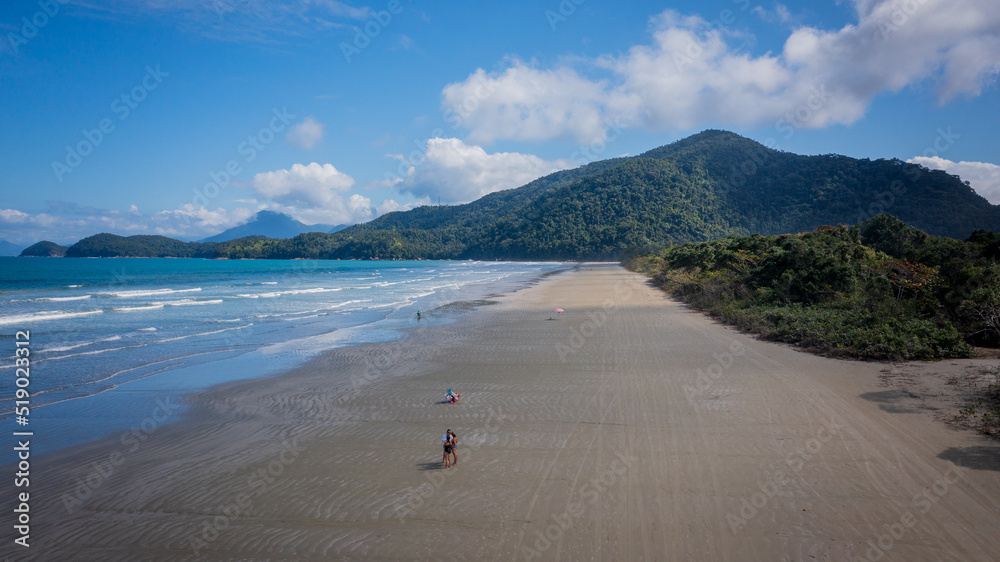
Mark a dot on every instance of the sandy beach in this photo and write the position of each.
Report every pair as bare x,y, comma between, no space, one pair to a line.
626,428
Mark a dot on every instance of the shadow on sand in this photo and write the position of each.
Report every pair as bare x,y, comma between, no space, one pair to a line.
894,401
977,458
430,465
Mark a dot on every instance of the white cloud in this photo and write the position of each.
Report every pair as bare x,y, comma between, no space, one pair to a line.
313,193
348,210
780,14
525,103
689,75
982,176
390,205
66,222
306,134
312,184
458,172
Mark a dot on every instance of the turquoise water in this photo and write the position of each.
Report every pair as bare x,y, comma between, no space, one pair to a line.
112,339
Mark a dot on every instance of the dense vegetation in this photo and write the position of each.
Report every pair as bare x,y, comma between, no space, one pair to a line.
44,249
709,185
881,290
113,246
706,186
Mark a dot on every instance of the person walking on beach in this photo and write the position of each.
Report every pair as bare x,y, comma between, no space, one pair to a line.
454,448
446,442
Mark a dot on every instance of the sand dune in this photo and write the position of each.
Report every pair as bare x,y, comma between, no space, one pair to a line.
626,428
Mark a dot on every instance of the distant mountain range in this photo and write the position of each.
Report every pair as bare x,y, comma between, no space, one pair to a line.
8,249
706,186
267,224
272,225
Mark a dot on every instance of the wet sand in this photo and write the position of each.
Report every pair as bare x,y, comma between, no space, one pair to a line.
626,428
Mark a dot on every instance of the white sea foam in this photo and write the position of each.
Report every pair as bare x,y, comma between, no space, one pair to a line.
147,293
44,316
95,352
61,299
204,333
79,344
274,294
192,302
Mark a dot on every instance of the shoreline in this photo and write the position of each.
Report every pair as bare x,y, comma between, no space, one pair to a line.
627,427
77,420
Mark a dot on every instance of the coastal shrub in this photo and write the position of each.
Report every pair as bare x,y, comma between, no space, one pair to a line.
906,296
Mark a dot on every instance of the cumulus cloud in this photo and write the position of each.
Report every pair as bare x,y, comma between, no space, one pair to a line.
390,205
458,172
313,193
311,184
982,176
348,210
690,75
67,222
306,134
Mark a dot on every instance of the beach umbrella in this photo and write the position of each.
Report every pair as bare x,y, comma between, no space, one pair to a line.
558,310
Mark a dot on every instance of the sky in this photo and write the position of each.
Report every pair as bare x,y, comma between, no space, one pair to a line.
186,117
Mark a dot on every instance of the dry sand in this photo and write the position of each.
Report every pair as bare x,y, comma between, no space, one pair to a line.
626,428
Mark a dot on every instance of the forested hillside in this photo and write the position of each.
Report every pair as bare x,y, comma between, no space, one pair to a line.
706,186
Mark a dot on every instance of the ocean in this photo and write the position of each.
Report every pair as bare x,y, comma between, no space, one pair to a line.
114,340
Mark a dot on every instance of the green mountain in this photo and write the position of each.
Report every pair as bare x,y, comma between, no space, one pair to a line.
44,249
703,187
113,246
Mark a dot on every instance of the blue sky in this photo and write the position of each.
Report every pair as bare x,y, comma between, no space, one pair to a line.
186,117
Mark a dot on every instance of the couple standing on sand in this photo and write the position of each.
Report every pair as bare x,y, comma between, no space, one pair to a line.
450,442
